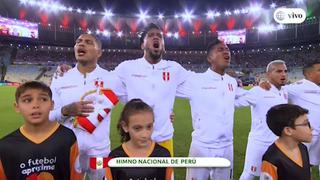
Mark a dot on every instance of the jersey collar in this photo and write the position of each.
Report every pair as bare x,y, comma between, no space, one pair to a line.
215,75
160,65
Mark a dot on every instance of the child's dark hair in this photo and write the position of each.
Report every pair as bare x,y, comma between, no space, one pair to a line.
283,115
32,85
134,106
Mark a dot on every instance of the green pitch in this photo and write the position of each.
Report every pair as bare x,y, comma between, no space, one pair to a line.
182,125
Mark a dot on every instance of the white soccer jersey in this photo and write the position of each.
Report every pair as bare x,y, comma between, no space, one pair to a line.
70,88
155,84
261,101
307,95
212,98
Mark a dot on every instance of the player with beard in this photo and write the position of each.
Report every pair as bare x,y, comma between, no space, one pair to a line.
261,100
155,81
212,97
69,91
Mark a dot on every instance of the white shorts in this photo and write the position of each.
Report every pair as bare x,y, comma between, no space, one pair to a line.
254,153
314,150
214,173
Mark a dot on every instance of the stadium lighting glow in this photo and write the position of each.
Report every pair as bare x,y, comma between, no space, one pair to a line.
255,8
160,16
79,10
143,16
32,2
227,13
273,5
176,16
299,1
119,34
169,34
70,9
45,6
187,15
237,11
89,12
106,33
280,26
23,1
244,11
89,31
210,15
217,14
98,32
266,28
54,7
62,8
107,13
176,35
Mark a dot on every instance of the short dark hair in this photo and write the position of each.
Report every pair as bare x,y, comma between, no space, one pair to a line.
134,106
213,43
283,115
309,66
147,29
96,39
32,85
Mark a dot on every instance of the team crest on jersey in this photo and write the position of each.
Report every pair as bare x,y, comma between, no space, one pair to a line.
166,76
253,168
98,83
230,87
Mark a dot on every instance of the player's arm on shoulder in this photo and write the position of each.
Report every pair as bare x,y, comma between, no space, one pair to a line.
184,89
120,70
247,98
268,171
117,86
183,74
55,114
293,89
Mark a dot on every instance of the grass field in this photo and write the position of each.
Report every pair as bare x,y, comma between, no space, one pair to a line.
182,125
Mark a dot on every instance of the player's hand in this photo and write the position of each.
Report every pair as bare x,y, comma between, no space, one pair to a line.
172,116
265,85
82,108
61,69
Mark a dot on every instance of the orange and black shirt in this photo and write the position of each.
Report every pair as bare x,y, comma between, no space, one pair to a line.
23,157
278,165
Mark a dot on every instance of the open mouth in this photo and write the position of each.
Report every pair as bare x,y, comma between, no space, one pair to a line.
156,44
36,114
81,52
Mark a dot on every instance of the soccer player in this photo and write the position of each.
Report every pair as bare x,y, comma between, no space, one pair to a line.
261,100
155,81
39,149
84,97
135,127
212,97
306,93
287,157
